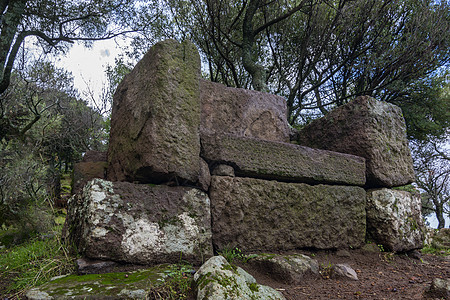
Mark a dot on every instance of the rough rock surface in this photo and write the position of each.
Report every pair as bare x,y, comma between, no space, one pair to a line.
223,170
204,179
92,155
289,269
93,165
156,116
260,215
371,247
139,223
86,171
241,112
218,280
394,219
281,161
129,285
90,266
429,233
344,270
439,289
371,129
343,253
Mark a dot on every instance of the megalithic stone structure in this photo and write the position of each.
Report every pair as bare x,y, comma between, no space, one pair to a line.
170,130
156,116
371,129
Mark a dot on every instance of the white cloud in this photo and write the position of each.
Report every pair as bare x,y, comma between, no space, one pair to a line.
88,65
105,53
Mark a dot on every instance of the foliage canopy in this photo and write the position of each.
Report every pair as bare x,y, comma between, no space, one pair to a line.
319,54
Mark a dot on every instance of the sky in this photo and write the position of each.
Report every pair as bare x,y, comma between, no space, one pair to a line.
88,67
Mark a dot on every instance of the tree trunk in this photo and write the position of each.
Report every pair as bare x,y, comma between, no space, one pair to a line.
9,24
440,216
257,72
54,180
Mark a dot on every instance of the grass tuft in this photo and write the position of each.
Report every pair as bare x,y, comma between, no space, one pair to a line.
177,285
429,249
235,254
33,263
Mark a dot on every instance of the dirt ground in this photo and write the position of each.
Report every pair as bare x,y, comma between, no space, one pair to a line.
381,275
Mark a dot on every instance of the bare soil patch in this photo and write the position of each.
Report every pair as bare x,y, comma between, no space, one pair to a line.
381,275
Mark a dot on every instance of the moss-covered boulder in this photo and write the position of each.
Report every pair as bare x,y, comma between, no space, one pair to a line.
256,158
123,285
218,280
261,215
368,128
140,223
394,219
156,116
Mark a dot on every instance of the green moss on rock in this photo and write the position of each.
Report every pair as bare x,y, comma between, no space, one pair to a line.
123,285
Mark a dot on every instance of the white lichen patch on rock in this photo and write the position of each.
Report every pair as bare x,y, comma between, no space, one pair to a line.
99,232
100,208
140,223
394,219
181,236
143,238
197,199
137,294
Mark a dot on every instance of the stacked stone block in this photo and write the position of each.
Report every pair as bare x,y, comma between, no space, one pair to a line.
194,165
376,131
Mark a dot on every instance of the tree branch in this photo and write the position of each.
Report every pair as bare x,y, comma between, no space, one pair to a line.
9,23
280,18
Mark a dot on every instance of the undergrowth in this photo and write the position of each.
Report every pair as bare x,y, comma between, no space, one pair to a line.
177,284
428,249
232,254
33,263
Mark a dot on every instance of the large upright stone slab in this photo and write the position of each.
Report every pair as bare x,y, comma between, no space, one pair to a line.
261,215
394,219
281,161
156,117
371,129
140,223
241,112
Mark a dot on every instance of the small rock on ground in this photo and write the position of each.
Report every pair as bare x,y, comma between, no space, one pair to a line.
344,270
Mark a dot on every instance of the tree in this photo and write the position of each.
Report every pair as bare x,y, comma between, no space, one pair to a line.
229,34
426,107
429,138
432,166
44,125
319,54
45,129
32,95
54,24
